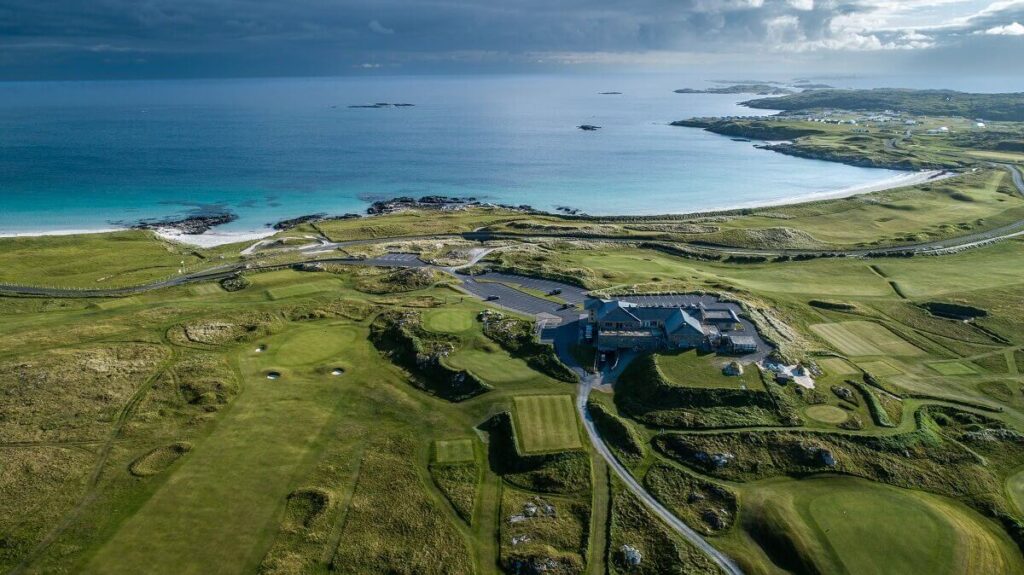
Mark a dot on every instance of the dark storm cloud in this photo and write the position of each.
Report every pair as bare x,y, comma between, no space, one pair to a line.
72,38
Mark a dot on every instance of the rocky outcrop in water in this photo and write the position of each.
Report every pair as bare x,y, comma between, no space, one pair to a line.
425,202
191,225
311,218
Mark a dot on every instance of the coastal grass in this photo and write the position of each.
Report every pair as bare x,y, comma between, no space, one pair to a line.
421,222
95,261
847,525
546,423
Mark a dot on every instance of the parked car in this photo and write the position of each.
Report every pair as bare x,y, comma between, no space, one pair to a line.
555,291
493,297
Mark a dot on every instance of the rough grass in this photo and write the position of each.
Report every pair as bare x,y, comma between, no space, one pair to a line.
546,423
619,434
543,533
72,394
860,338
708,507
459,482
159,459
643,393
662,551
393,526
38,485
387,281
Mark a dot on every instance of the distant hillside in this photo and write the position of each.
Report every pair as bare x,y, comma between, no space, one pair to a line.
1005,107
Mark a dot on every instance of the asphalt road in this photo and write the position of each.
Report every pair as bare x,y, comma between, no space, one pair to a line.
724,561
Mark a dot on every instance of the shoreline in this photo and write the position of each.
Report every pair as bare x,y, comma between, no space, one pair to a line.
213,238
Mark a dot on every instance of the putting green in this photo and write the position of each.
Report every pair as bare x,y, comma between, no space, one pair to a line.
848,525
449,320
826,414
311,346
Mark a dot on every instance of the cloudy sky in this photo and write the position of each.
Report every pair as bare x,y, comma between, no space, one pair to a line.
71,39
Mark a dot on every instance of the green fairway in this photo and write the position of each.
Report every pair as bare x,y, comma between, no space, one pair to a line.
303,289
546,423
879,368
453,450
846,525
826,414
693,369
836,366
449,320
953,368
864,338
219,510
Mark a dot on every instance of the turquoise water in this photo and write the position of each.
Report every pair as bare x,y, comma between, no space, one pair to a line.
88,155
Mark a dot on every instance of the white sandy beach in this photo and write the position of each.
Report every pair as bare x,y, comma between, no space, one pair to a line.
213,238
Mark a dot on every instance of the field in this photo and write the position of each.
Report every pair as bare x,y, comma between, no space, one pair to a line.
859,338
842,525
546,423
453,451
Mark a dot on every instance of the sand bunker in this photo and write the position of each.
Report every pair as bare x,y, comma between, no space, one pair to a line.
273,375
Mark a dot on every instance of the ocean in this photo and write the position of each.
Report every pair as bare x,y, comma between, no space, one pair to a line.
96,155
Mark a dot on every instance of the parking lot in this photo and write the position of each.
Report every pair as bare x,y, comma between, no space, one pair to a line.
515,300
571,294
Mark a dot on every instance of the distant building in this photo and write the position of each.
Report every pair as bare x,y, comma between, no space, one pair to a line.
625,325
